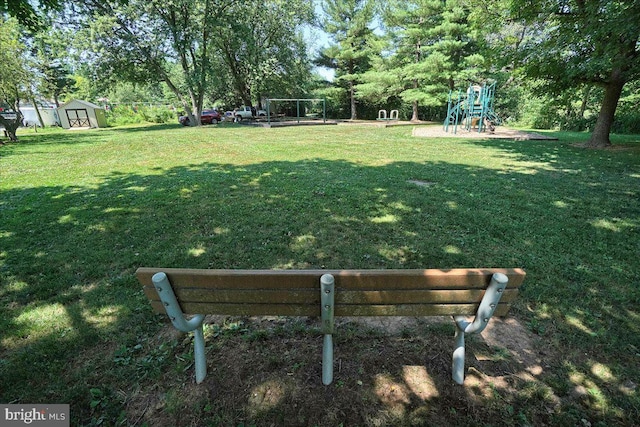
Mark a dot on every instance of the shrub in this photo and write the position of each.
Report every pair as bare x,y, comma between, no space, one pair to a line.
157,114
120,115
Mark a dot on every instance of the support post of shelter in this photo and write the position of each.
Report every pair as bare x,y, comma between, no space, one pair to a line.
268,112
324,110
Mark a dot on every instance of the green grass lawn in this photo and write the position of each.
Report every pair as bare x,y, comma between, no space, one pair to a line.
80,211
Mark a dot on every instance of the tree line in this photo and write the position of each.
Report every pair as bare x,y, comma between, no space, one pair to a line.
567,63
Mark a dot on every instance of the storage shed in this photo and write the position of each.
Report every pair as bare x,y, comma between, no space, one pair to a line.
81,114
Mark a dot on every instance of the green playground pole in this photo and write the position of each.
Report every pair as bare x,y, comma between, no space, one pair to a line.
458,105
446,121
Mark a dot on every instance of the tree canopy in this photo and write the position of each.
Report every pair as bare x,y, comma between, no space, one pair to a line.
568,63
14,77
27,13
573,43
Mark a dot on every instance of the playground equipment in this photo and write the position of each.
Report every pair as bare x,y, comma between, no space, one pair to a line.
473,108
382,115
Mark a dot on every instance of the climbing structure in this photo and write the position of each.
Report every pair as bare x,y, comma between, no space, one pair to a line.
471,109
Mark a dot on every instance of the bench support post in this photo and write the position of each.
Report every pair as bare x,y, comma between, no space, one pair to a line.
168,298
487,306
327,298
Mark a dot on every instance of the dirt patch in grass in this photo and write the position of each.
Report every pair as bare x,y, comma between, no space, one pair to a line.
421,183
388,371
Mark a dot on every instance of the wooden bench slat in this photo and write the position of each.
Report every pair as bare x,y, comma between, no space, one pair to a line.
417,296
415,310
244,309
340,309
345,279
312,296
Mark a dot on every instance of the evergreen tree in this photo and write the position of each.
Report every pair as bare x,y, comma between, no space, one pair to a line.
432,49
348,23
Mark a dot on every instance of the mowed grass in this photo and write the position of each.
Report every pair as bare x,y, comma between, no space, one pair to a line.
80,211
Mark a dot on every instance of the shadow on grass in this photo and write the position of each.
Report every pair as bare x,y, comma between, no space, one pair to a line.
57,136
74,315
146,128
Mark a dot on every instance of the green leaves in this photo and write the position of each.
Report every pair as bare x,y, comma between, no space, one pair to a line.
433,48
571,43
349,25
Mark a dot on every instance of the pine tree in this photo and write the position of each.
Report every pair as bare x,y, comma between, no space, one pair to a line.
432,49
348,23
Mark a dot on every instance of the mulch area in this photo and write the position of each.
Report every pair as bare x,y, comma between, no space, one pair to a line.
501,132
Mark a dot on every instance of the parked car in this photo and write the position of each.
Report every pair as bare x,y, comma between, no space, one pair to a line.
207,117
245,112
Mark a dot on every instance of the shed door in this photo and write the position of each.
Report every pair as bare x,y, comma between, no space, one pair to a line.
78,118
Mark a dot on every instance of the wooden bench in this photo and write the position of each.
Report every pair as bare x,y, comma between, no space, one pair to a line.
327,293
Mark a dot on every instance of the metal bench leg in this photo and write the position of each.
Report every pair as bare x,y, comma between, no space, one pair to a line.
458,357
199,356
487,306
327,293
168,298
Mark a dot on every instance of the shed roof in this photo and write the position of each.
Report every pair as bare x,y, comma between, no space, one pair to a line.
85,103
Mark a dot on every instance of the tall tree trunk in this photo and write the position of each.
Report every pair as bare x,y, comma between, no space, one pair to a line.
613,90
352,95
201,68
585,101
414,115
416,84
35,106
195,108
179,94
11,125
352,90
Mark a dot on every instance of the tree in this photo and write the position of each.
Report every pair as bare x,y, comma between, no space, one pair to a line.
575,42
207,42
261,50
141,41
348,21
25,12
432,49
49,48
56,81
14,76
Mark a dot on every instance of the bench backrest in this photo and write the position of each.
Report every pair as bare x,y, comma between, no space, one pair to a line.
357,292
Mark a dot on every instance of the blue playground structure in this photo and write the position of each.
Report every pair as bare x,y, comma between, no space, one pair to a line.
471,109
